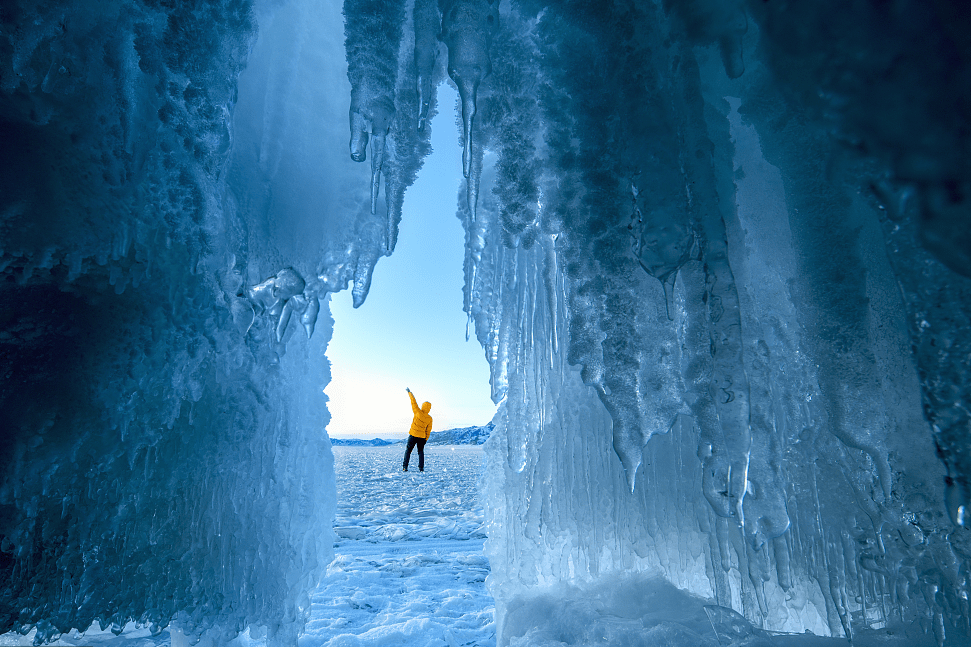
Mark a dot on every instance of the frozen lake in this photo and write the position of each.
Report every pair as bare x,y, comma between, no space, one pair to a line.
408,567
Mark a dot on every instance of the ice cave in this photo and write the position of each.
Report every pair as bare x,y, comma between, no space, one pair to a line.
718,257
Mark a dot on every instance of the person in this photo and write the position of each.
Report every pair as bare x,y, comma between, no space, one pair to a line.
421,429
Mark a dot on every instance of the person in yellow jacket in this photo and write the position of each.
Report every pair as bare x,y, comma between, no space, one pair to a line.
421,429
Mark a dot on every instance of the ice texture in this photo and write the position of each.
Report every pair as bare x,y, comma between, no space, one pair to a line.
384,106
717,255
705,280
427,22
373,31
468,27
162,452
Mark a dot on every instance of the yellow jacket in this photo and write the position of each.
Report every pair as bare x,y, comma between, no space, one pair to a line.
421,425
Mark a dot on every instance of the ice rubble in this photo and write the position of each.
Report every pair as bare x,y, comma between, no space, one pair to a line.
724,242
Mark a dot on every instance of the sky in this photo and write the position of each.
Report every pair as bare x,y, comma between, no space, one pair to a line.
410,332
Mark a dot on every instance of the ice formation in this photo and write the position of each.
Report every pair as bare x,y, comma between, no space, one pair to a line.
373,40
718,256
280,296
777,395
467,30
391,95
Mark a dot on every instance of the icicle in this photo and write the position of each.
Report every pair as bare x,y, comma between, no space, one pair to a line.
780,549
370,123
472,189
360,132
377,161
662,246
766,514
362,279
939,632
467,29
284,321
469,322
729,384
668,285
309,318
468,88
427,22
372,70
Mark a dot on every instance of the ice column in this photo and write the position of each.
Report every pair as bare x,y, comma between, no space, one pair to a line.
889,84
794,484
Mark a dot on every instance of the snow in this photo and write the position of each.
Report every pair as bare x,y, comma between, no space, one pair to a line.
409,568
409,571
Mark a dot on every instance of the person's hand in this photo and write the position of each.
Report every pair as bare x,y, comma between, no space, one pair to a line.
407,389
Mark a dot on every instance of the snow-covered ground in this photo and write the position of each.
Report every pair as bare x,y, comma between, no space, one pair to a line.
408,568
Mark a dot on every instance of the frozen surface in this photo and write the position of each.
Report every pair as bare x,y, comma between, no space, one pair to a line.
409,568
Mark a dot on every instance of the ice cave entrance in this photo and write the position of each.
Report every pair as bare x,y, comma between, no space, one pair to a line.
411,329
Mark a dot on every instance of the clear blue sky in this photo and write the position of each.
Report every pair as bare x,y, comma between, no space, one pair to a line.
410,332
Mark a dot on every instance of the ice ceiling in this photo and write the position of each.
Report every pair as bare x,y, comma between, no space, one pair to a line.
718,256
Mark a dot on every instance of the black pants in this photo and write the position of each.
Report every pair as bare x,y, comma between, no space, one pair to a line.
420,442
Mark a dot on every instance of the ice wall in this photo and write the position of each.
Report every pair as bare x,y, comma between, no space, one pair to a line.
163,454
768,392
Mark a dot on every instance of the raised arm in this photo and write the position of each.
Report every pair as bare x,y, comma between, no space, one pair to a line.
414,403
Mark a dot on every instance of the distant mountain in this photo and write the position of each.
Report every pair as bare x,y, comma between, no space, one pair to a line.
357,442
460,436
